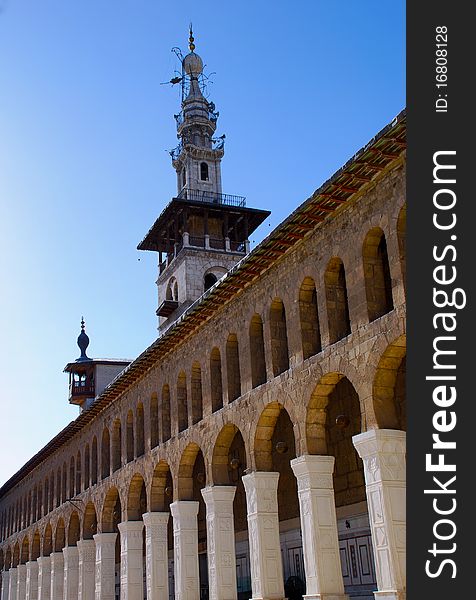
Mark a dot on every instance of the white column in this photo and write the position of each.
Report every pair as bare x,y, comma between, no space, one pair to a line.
71,573
57,575
5,584
186,574
320,539
132,573
44,578
383,453
220,542
32,580
105,565
21,582
156,555
12,584
263,527
87,567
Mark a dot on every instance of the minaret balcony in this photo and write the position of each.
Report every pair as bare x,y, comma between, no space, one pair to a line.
78,390
212,197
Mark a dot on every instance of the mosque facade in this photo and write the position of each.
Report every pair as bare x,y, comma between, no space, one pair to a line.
257,448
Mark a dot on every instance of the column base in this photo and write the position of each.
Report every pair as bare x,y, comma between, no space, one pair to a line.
325,597
390,595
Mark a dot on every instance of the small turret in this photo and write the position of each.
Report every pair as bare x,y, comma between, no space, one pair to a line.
88,377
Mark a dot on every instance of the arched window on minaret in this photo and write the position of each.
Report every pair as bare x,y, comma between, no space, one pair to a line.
209,280
204,171
184,177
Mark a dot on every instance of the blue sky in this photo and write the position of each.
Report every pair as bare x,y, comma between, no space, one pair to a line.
84,128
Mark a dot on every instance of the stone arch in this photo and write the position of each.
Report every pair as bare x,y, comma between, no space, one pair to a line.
35,546
216,380
263,449
16,555
257,354
309,318
182,408
389,386
90,521
140,446
154,420
105,453
336,300
165,405
221,468
74,529
111,511
130,436
116,445
196,391
78,472
161,489
136,498
274,448
378,283
25,551
233,367
401,238
191,480
59,541
94,461
279,337
87,467
333,418
185,471
229,463
47,546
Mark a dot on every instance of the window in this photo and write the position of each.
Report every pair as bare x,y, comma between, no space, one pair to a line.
204,171
209,280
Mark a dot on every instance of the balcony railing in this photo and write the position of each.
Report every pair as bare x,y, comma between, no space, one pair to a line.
81,388
212,197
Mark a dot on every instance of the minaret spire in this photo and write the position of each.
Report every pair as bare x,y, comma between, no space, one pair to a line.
191,39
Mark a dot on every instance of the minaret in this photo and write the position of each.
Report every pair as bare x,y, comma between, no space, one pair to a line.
202,233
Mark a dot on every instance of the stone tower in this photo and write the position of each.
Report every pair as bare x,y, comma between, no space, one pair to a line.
202,233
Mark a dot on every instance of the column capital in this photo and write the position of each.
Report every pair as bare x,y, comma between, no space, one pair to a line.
21,570
70,551
131,528
57,557
261,492
218,493
155,518
383,452
314,471
105,538
43,560
184,509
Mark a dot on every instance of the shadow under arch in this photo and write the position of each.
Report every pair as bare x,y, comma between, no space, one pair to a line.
161,487
136,498
90,522
388,389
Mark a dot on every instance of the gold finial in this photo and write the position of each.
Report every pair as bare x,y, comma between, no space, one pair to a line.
191,39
